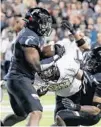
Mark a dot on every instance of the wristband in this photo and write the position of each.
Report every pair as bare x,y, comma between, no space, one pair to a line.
80,42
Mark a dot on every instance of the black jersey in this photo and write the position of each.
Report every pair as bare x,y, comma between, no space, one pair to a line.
98,87
19,65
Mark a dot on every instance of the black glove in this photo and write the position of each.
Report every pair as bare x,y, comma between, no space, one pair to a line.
42,91
68,25
70,105
59,50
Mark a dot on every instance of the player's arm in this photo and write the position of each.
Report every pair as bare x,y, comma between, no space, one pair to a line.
95,109
90,109
51,50
32,57
31,51
77,107
83,115
79,40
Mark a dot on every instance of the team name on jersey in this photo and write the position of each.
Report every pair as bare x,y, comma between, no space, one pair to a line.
59,86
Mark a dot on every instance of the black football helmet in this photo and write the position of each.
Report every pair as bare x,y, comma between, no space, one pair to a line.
93,61
39,20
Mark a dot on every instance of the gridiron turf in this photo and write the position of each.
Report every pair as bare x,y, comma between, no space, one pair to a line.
48,102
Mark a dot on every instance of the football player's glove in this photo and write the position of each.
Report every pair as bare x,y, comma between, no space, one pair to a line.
59,50
68,25
70,105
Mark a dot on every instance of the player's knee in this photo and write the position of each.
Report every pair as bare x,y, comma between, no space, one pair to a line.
36,114
70,118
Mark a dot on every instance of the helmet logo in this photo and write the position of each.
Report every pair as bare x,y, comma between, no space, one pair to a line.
36,10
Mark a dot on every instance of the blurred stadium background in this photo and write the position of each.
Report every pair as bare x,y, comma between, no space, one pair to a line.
85,15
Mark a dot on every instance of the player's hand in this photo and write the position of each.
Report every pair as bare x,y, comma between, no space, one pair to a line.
59,50
70,105
68,25
42,91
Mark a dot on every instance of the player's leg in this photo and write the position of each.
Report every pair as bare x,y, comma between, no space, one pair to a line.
74,118
27,99
34,119
12,119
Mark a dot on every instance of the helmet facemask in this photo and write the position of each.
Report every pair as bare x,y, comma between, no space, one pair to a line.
45,25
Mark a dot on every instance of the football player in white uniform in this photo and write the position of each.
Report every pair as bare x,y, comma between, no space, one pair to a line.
66,85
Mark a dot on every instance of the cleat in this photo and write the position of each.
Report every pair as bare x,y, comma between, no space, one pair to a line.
1,123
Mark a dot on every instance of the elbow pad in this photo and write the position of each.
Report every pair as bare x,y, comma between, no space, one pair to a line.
80,42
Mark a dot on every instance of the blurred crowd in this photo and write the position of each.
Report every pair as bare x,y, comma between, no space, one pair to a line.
85,15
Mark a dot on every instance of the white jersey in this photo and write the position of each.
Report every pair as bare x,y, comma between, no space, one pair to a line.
68,67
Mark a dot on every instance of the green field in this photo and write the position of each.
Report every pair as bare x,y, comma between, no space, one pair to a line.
47,101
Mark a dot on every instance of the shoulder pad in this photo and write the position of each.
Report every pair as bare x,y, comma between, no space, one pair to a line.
29,41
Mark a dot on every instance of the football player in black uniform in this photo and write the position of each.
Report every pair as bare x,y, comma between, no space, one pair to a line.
28,51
